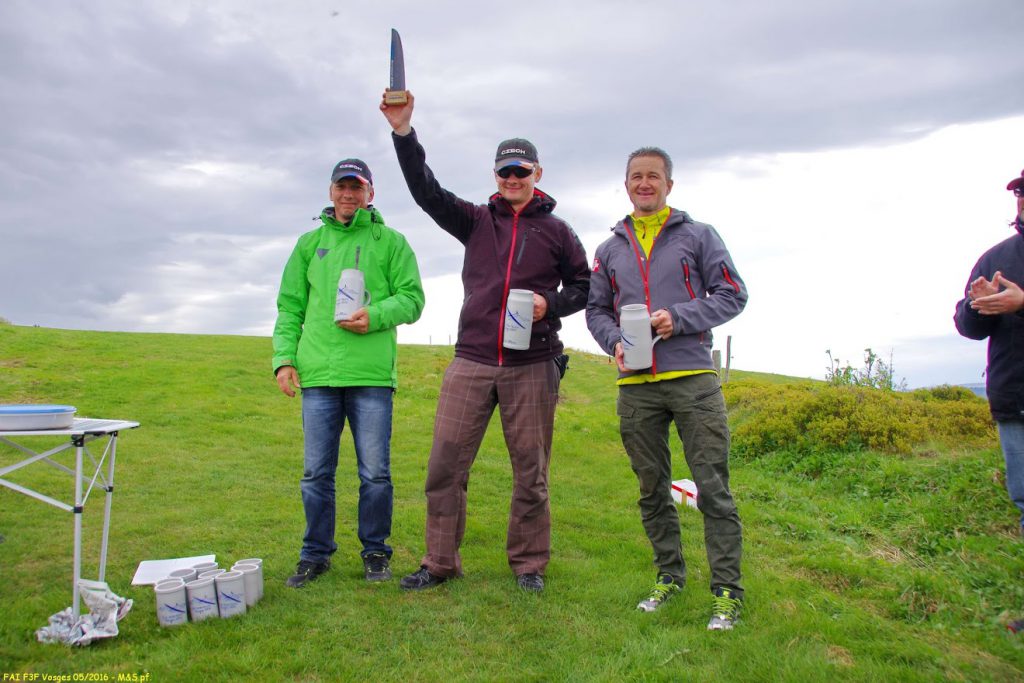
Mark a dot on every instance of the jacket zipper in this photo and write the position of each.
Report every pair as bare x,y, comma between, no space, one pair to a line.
689,288
686,279
728,278
645,271
504,297
615,297
522,247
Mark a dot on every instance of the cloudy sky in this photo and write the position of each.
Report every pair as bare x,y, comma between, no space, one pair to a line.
158,159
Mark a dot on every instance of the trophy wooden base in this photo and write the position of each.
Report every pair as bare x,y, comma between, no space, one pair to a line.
396,97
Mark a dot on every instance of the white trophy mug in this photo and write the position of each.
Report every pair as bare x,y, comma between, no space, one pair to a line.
171,603
518,319
635,333
252,575
202,599
352,294
230,593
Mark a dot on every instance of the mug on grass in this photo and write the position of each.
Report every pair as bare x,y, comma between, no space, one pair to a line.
259,563
253,579
171,608
202,599
230,593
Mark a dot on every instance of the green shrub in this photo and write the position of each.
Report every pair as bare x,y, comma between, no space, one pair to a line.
811,418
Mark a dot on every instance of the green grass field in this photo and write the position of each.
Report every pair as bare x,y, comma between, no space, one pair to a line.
858,565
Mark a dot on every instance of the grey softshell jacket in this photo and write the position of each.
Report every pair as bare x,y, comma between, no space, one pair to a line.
689,273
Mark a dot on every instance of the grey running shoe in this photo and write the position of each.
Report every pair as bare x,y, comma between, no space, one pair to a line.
376,567
663,589
725,610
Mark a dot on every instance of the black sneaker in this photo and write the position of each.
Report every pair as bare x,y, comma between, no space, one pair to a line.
533,583
307,571
421,579
376,567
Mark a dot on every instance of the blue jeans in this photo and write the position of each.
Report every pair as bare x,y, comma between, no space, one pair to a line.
324,410
1011,436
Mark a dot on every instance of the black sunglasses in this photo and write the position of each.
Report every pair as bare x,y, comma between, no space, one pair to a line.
1018,191
517,171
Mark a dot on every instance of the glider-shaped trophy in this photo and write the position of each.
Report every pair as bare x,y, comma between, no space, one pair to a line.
396,93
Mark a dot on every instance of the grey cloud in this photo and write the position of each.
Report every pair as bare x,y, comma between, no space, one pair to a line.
111,108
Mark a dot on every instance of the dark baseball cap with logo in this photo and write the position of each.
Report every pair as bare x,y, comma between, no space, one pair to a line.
1016,182
352,168
515,152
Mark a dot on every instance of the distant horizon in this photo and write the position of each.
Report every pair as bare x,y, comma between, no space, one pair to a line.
977,387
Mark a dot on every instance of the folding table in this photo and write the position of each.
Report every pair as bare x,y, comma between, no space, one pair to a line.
81,432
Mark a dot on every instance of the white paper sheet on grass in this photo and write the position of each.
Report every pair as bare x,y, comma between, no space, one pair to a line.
151,571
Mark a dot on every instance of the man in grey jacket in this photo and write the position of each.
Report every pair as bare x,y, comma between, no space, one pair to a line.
681,270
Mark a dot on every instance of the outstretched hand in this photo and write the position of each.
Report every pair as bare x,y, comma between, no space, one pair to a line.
1009,300
398,115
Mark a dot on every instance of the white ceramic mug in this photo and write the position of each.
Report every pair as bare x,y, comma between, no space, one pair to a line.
211,574
352,294
202,599
171,609
185,575
518,319
230,593
259,563
635,334
252,579
201,567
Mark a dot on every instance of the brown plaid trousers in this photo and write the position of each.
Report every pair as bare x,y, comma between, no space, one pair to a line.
527,396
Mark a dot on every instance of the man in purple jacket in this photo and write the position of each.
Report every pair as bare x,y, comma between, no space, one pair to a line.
993,308
512,242
681,270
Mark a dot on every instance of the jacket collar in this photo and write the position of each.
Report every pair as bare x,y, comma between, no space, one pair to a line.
361,219
541,203
675,216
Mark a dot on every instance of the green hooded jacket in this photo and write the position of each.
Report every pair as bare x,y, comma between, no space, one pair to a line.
305,335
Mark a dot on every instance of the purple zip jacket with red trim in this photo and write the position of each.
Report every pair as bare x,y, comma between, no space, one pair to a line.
533,249
689,273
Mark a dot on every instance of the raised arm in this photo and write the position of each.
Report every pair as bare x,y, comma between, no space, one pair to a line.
453,214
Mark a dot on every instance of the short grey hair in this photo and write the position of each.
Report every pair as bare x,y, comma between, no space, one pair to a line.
652,152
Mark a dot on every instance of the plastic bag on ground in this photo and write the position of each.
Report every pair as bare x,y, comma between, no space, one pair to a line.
105,610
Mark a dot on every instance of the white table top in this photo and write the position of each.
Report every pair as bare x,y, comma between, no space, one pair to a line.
80,426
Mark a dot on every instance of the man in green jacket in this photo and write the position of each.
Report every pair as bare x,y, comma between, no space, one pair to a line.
345,369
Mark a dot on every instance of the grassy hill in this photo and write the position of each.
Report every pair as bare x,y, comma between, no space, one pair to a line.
879,541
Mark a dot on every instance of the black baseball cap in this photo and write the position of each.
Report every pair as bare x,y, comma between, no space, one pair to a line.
515,152
352,168
1016,182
